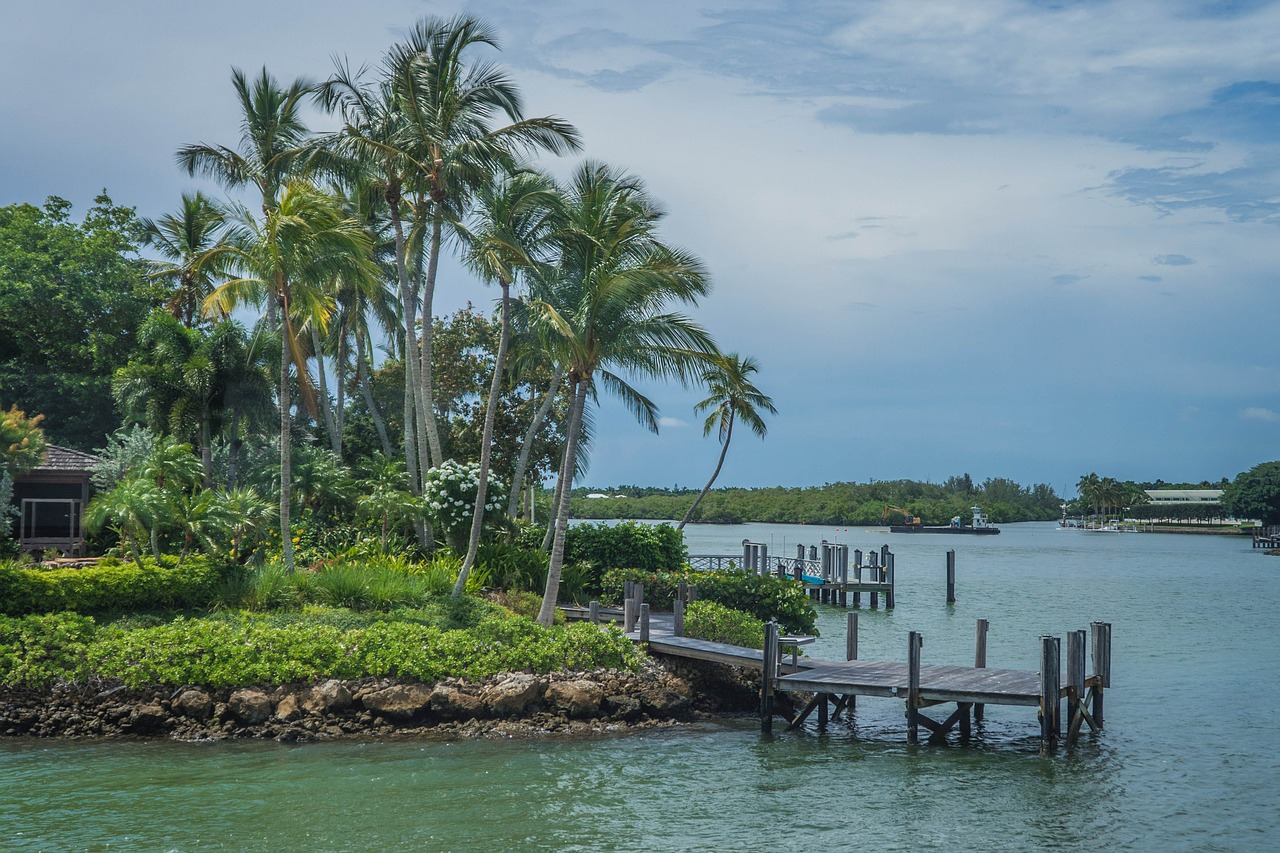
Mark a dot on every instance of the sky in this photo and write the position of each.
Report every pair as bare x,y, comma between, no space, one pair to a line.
1006,238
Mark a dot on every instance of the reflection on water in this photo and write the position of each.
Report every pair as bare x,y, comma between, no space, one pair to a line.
1188,760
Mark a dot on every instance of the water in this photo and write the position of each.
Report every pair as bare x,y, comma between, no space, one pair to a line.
1190,759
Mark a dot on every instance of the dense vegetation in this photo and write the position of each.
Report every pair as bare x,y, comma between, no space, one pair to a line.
834,504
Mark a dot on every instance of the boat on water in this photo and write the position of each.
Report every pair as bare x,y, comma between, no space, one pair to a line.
981,526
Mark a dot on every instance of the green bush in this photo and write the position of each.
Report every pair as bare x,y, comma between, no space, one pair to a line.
707,620
650,547
250,649
511,567
763,596
110,586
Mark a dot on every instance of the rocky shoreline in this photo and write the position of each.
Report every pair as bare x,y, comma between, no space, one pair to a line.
509,705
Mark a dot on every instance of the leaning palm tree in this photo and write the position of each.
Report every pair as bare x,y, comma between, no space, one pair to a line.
512,223
605,308
286,259
449,104
183,238
733,397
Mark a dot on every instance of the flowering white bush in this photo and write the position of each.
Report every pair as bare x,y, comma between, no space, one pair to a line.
449,492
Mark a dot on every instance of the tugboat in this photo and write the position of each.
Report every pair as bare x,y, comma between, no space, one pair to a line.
980,527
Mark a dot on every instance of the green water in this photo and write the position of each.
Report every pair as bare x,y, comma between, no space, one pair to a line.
1190,759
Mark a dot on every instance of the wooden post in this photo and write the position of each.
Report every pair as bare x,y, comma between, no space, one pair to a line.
889,593
629,615
980,662
1101,640
823,698
593,611
851,639
767,673
857,576
644,623
747,563
693,592
914,641
951,576
638,589
682,591
1050,661
628,590
875,578
1075,676
763,557
677,611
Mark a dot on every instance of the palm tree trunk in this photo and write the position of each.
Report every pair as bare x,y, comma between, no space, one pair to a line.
561,479
326,407
728,434
409,355
486,442
233,452
286,467
431,454
206,448
366,392
340,392
552,593
522,463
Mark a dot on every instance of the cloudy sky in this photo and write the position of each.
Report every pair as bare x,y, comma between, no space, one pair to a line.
1002,237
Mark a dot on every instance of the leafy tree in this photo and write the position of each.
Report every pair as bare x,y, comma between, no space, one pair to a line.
732,397
21,442
1255,494
72,298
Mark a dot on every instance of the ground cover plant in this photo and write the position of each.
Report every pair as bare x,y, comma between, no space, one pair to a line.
707,620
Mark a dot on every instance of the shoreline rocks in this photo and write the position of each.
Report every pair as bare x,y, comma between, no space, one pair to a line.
516,704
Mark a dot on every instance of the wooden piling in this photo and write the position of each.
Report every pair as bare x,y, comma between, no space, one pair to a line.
593,612
677,613
851,650
1050,668
693,593
951,576
629,615
857,576
1075,679
1101,642
914,641
644,622
888,576
682,591
980,662
768,671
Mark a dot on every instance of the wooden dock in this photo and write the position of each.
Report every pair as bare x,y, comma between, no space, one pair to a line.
835,685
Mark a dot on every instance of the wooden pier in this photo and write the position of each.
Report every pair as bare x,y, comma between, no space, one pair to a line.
829,572
1266,537
835,685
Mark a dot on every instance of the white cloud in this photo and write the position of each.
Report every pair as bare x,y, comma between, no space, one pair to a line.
1257,413
671,422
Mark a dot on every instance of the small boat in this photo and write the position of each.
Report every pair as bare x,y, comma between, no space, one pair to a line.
980,527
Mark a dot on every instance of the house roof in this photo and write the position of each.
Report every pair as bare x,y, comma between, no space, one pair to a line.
57,458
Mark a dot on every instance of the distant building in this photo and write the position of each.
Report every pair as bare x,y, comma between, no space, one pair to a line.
597,495
51,499
1167,497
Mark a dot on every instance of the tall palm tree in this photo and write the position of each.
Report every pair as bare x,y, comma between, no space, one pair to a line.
733,397
605,307
512,222
449,105
287,257
272,135
184,237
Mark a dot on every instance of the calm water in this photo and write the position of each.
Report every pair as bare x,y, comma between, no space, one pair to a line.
1190,759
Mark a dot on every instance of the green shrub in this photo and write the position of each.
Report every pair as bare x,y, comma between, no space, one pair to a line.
763,596
230,651
511,567
110,586
650,547
707,620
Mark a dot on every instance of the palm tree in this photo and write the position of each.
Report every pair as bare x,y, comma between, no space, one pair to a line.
286,258
448,105
513,219
272,135
131,508
604,307
732,397
184,237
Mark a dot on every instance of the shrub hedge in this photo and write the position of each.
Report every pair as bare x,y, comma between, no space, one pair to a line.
110,586
219,652
707,620
629,545
764,597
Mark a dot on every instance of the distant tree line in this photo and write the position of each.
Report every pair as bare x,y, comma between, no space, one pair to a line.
1003,500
